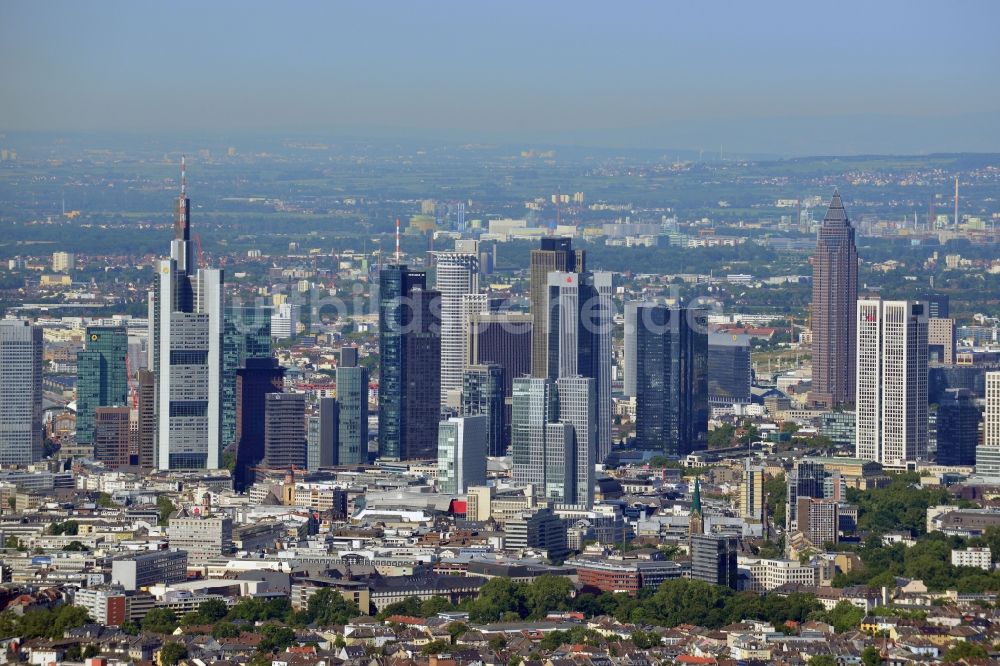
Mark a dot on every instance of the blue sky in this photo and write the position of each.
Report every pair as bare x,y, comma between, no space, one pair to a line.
780,77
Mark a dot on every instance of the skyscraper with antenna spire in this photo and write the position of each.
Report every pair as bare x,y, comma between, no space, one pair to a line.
185,351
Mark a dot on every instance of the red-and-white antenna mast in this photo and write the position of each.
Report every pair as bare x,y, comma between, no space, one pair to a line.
397,241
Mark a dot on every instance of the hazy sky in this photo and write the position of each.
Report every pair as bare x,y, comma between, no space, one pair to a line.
781,77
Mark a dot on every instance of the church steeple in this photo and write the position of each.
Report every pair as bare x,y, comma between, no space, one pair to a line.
696,523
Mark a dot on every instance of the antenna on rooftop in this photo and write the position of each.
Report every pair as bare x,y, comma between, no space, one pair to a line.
184,178
397,240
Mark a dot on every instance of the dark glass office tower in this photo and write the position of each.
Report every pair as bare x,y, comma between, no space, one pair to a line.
483,393
101,376
410,365
729,369
554,254
422,400
834,305
713,559
285,443
957,428
671,379
260,377
247,334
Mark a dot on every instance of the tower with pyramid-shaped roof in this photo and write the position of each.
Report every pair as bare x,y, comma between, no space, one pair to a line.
834,300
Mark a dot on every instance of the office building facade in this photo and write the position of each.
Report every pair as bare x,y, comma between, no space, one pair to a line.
988,453
111,436
146,414
322,432
553,254
577,398
891,410
410,364
483,393
941,340
456,276
247,334
671,380
713,559
462,443
352,401
260,377
834,295
285,430
20,392
580,324
729,370
101,376
958,419
535,404
186,330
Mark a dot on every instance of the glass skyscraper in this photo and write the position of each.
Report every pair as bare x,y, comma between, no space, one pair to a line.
352,397
410,365
247,334
101,376
483,393
671,379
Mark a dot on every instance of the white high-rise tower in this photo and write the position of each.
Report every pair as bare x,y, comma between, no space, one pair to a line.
20,392
891,418
457,277
988,453
185,319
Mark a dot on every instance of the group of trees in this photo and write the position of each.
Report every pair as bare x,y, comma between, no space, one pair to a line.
901,505
43,623
676,602
326,607
929,560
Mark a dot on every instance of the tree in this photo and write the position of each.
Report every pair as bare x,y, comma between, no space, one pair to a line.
965,650
547,593
67,617
225,630
434,605
104,501
208,612
165,507
160,621
410,607
498,597
822,660
74,546
776,493
172,653
456,629
438,646
327,606
870,656
275,637
845,616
